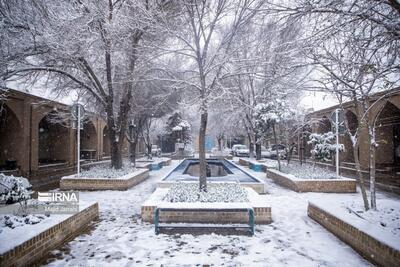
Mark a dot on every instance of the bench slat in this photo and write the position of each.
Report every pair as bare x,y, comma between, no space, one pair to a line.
205,209
158,226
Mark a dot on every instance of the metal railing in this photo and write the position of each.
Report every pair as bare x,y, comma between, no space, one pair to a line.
158,227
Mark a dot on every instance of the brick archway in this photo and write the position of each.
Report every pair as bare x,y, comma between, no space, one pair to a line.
11,153
89,141
352,122
388,136
324,125
53,139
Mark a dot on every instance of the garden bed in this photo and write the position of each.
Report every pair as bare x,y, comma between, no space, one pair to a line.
232,197
373,234
27,244
153,164
235,173
259,165
224,154
308,179
104,178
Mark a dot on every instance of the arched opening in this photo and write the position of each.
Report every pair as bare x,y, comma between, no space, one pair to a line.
324,125
352,122
88,137
388,137
10,141
106,142
53,140
305,135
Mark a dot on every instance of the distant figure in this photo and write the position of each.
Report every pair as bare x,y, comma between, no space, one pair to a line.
208,170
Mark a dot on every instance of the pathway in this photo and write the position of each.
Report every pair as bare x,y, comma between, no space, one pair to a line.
121,239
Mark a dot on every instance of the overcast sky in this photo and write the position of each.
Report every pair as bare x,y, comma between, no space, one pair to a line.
318,100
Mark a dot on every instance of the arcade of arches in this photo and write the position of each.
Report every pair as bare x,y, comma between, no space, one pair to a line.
33,143
387,115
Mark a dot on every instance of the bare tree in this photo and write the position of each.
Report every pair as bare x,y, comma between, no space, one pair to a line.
355,62
97,46
268,62
206,43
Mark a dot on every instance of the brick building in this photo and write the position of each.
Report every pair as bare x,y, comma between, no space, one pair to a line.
36,144
386,111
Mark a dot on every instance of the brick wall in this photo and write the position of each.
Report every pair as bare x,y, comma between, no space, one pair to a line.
243,162
262,215
36,248
325,186
104,184
370,248
167,162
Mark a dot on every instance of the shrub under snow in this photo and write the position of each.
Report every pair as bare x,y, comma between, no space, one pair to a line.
12,221
14,189
189,192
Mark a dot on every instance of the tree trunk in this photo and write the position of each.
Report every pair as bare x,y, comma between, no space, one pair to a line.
258,148
300,148
290,153
360,177
116,155
251,146
132,151
372,173
149,155
219,140
202,152
276,147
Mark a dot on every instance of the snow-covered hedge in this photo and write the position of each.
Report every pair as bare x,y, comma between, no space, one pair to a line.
189,192
307,171
14,189
107,172
12,221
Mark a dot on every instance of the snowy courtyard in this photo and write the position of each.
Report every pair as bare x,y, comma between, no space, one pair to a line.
121,239
200,133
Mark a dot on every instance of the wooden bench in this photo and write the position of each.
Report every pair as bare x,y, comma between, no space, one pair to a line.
191,227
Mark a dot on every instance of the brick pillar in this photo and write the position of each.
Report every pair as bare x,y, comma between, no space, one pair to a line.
72,158
26,139
34,142
364,148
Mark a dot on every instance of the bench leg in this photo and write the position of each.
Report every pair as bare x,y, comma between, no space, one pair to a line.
156,219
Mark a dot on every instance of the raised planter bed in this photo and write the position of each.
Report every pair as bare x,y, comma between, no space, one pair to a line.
221,155
154,164
262,212
342,185
120,183
258,165
237,173
30,247
366,239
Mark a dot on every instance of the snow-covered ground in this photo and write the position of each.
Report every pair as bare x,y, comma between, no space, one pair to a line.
104,171
24,228
293,239
268,162
307,171
188,192
383,224
152,160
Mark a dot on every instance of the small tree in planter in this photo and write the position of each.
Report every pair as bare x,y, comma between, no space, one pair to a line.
324,146
268,115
